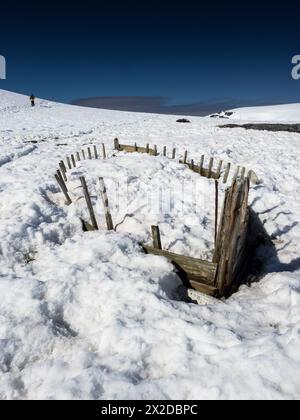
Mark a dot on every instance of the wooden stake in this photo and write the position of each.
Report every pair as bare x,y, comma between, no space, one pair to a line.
185,157
243,173
156,237
155,151
201,164
220,166
90,153
78,157
96,152
216,211
59,174
64,191
174,154
69,163
236,173
210,167
89,203
136,147
73,161
165,151
104,151
83,154
226,176
103,191
63,171
192,165
116,144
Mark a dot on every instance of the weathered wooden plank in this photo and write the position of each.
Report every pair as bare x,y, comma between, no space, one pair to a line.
108,217
90,153
78,157
210,167
116,144
204,288
201,165
195,269
96,153
64,190
165,151
227,172
73,161
89,203
219,169
83,155
69,163
104,151
63,171
174,154
156,237
185,157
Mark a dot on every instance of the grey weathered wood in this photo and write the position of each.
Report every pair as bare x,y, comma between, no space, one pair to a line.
155,151
210,167
227,172
136,149
165,151
174,154
83,155
90,153
156,237
219,169
147,148
116,144
104,151
201,165
108,217
243,173
78,157
236,173
69,163
195,270
64,191
185,157
60,176
63,171
192,165
73,161
89,203
96,153
216,210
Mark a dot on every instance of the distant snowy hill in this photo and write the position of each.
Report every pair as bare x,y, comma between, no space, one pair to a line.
278,113
89,315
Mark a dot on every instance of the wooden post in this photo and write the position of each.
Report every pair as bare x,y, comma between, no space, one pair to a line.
216,211
210,167
103,191
69,163
192,164
136,147
73,161
165,151
96,152
60,176
116,144
201,165
226,176
83,154
185,157
147,149
90,153
155,151
156,237
220,166
174,154
243,173
104,151
63,171
78,157
64,190
89,203
236,173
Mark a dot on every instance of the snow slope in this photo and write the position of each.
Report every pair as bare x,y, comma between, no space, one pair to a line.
88,316
278,113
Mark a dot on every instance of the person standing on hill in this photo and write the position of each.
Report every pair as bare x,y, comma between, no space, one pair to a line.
32,100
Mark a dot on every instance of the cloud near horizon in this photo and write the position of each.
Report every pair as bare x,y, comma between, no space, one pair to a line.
159,105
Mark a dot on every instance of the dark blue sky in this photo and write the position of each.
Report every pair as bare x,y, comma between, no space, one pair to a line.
229,51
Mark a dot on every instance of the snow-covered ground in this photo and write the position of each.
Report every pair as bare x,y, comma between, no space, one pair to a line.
89,316
274,114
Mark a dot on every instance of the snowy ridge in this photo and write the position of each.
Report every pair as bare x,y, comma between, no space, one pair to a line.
278,113
89,316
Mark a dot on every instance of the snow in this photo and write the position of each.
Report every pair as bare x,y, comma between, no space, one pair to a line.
89,316
274,114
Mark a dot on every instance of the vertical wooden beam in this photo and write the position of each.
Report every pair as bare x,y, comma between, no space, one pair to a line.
116,144
63,170
60,176
104,151
219,170
69,163
226,175
155,151
83,155
165,151
64,191
185,157
136,149
90,153
210,167
243,173
216,211
78,157
89,203
73,161
96,152
236,173
201,165
148,149
174,154
156,237
192,164
108,218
